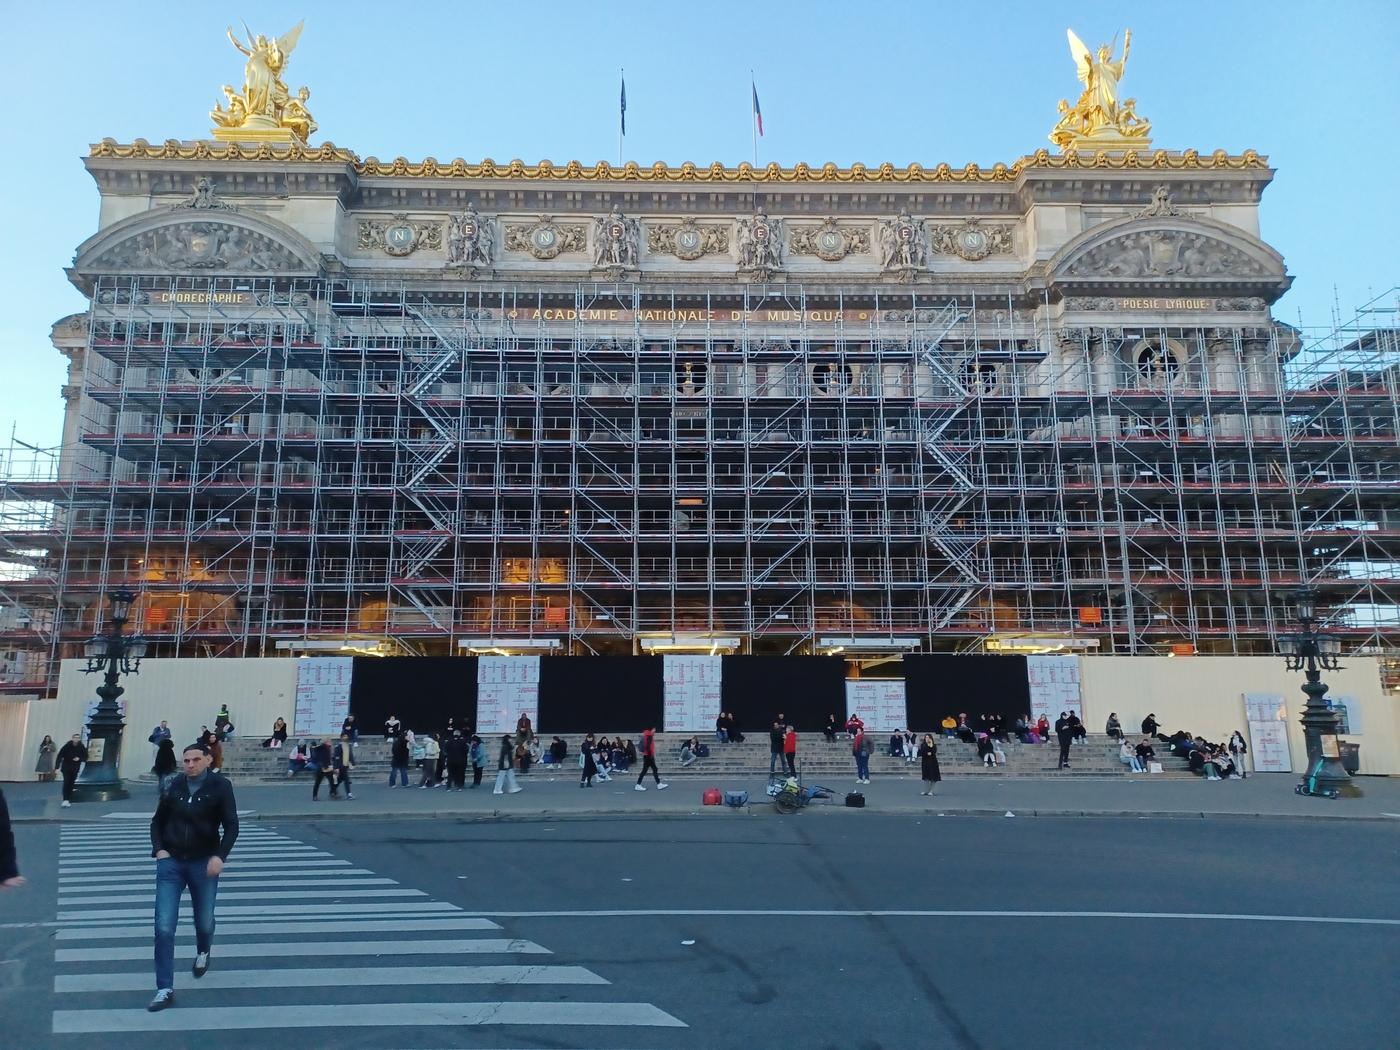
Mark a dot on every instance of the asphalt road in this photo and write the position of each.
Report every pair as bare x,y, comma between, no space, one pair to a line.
684,932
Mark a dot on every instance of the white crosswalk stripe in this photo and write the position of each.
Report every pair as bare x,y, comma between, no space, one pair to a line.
297,928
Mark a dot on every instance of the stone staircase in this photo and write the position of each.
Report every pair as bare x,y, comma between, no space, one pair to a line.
818,760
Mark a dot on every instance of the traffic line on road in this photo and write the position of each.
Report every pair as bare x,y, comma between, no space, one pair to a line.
104,855
348,977
340,927
329,892
366,1015
950,913
342,877
258,909
147,863
282,950
423,910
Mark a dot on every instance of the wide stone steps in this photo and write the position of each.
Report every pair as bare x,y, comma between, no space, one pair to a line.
817,759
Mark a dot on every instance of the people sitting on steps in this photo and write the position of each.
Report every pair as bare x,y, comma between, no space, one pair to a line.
1128,756
298,758
279,734
1145,752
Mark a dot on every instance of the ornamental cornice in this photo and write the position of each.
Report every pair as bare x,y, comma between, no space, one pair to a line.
744,173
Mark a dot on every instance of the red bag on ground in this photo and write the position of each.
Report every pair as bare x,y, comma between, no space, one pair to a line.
712,797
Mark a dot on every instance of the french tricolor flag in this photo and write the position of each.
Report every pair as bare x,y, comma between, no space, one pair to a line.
757,113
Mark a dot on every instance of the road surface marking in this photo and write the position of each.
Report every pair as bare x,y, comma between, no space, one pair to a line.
819,913
282,950
334,1017
336,926
344,977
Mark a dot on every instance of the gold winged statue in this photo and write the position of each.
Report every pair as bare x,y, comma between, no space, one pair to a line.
1101,119
264,111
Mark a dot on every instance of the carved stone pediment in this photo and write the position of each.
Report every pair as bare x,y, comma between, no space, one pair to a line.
199,245
202,240
1163,249
1166,253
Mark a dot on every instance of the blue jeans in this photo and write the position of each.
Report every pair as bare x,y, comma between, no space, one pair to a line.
172,876
775,759
862,766
401,771
721,736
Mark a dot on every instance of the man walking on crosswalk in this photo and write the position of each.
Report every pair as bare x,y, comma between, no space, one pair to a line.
192,832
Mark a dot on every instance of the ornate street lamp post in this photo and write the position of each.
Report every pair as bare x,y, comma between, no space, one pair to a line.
114,655
1312,652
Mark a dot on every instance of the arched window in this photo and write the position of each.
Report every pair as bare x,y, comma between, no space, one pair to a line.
1157,364
980,378
830,378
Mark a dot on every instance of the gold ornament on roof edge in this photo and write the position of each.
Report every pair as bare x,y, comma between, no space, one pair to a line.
265,111
1099,121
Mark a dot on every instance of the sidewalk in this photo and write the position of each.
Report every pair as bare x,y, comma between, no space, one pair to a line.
1262,795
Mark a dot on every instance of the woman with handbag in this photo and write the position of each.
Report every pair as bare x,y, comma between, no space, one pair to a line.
1238,749
505,768
928,764
586,762
47,752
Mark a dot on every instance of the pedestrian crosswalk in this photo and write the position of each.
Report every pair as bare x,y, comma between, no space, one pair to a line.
304,940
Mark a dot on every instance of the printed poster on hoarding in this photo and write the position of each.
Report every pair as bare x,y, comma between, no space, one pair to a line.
692,693
1054,686
1267,716
323,695
879,702
506,688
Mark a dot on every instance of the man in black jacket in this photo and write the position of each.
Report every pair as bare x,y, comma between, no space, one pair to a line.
1064,731
71,757
10,878
455,752
192,832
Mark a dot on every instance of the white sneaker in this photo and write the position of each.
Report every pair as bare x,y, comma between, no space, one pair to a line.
498,791
514,790
639,787
66,803
662,786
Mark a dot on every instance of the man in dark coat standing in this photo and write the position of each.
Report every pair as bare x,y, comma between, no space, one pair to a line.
455,750
71,757
1064,732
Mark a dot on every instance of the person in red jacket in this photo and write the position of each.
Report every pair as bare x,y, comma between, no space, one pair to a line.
649,761
790,750
861,754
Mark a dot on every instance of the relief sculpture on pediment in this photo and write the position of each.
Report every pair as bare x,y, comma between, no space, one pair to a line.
199,246
1165,253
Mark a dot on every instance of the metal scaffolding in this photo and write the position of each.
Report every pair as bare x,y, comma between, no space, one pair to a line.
281,464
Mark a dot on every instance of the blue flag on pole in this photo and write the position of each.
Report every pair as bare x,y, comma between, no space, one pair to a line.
623,102
757,113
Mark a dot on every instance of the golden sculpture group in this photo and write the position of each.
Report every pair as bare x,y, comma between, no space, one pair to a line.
265,111
1099,121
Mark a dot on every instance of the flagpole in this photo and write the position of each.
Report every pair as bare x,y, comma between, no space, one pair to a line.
753,119
622,120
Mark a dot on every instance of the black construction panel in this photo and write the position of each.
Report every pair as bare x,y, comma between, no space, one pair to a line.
938,684
424,691
600,694
803,689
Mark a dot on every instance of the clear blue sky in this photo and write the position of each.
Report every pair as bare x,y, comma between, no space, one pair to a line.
1315,86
